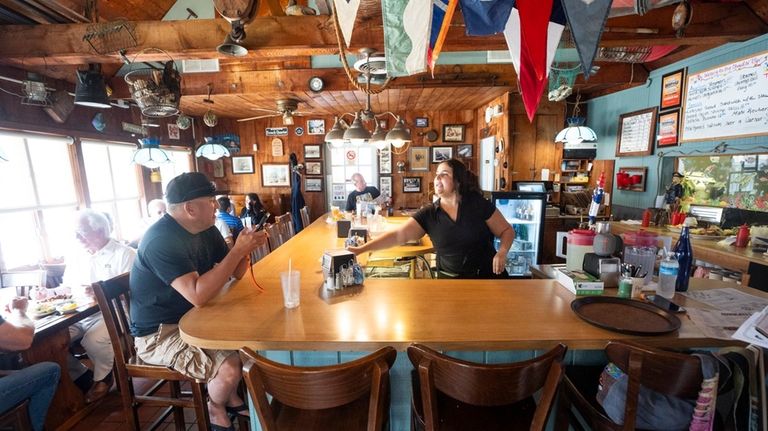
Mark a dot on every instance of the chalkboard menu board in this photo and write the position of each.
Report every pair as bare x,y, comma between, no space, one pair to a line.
727,101
637,132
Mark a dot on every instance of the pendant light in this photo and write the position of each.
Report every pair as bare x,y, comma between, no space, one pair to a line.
212,149
399,136
91,90
336,136
576,132
150,154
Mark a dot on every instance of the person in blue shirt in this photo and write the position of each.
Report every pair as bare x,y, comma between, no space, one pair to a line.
222,213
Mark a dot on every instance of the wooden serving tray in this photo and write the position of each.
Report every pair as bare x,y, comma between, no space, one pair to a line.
625,315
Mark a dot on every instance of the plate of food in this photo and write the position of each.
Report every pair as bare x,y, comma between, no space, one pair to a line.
66,307
710,233
41,309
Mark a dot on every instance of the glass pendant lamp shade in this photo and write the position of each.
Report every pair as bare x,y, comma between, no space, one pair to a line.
399,136
211,149
356,133
576,132
336,136
150,154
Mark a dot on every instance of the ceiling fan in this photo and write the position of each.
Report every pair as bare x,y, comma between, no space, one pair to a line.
286,108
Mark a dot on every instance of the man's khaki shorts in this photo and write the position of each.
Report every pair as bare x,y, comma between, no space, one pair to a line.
165,347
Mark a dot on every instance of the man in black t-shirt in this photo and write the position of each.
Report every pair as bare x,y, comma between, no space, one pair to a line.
362,192
183,262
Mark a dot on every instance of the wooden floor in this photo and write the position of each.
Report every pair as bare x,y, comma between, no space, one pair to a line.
108,416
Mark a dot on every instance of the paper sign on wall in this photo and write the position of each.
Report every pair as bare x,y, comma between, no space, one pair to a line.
277,147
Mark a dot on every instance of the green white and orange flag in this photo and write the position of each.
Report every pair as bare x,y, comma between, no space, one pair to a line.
346,12
406,35
442,13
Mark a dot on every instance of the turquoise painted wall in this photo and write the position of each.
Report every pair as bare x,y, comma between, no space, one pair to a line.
603,117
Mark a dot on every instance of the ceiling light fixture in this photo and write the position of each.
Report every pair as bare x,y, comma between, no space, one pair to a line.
213,148
150,154
91,90
238,14
576,132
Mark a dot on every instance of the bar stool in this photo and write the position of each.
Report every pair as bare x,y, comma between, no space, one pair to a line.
304,212
349,396
667,373
285,223
452,394
17,417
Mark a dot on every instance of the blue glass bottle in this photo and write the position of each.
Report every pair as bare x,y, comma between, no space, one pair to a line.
684,254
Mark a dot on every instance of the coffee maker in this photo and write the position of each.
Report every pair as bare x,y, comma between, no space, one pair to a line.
602,263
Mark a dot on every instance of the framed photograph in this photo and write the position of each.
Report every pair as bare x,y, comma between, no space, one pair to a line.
242,164
411,184
453,132
385,160
418,158
669,127
385,185
464,151
383,123
636,133
313,184
275,175
632,179
421,122
672,89
218,168
316,127
173,131
313,151
441,154
313,168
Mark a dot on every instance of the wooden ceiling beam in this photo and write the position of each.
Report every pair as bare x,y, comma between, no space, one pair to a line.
291,36
26,10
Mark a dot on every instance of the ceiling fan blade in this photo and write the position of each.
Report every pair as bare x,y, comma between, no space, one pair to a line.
266,110
255,118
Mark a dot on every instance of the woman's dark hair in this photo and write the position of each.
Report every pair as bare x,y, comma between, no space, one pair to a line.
224,203
464,181
255,204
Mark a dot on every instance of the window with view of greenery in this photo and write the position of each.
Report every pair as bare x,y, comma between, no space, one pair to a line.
734,181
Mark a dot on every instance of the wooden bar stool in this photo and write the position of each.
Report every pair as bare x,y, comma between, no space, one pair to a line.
17,417
305,216
349,396
453,394
668,373
285,224
112,296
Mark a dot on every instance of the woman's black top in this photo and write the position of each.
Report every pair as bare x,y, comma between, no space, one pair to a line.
255,215
464,247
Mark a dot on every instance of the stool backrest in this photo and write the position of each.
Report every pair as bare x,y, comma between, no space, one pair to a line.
304,216
285,224
113,296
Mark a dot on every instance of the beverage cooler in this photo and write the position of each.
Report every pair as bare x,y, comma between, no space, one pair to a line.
525,212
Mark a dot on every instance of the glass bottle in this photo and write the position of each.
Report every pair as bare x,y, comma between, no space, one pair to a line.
684,254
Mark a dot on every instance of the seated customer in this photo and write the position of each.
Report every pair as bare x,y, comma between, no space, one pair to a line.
253,209
182,263
225,232
38,382
461,224
223,214
100,258
362,192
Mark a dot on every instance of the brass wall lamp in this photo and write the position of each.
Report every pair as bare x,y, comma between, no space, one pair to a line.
238,13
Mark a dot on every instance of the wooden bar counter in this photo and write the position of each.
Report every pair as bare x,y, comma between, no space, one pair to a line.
728,257
447,314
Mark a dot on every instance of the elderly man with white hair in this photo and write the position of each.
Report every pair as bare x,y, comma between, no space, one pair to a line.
100,258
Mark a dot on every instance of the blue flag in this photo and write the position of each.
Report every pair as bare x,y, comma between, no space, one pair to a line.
485,17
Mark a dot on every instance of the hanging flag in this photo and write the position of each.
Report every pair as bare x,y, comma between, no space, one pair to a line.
346,12
485,17
586,19
442,13
406,35
533,32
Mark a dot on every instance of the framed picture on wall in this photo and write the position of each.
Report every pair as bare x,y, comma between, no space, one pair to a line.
672,89
411,184
313,168
637,132
316,126
313,151
275,175
242,164
385,160
421,122
632,179
453,133
441,154
669,127
418,158
464,151
313,184
218,168
385,185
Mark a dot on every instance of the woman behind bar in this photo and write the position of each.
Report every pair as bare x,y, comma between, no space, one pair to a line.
461,224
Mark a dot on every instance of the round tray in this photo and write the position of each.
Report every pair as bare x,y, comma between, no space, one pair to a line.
625,315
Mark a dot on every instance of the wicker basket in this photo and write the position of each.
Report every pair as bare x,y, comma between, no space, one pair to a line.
157,92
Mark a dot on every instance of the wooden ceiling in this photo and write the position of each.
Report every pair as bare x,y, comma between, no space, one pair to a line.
47,37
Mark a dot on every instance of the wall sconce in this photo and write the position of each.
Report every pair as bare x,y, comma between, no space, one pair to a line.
150,154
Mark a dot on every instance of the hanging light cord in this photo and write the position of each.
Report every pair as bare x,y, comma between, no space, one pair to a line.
343,54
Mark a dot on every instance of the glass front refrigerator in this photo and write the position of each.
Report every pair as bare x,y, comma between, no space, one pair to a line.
525,212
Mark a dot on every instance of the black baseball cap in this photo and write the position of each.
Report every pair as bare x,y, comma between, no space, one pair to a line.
188,186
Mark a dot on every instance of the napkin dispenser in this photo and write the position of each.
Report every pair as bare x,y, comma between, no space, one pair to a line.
342,228
362,232
605,268
334,259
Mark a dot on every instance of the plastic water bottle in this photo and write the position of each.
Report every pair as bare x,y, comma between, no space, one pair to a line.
668,270
684,254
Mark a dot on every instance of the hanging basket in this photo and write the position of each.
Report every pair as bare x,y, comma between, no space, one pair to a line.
156,91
